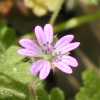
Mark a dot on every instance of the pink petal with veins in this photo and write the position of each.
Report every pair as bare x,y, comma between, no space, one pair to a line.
63,67
29,53
46,66
41,38
68,47
36,67
64,41
69,60
48,30
29,44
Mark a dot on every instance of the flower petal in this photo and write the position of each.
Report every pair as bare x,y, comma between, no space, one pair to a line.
28,44
41,38
45,69
69,47
48,30
36,67
69,60
63,67
29,53
64,41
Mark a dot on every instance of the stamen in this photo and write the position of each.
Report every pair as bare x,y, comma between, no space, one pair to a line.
44,44
47,42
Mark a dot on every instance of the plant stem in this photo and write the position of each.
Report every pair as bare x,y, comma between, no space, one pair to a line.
32,92
74,82
77,21
56,12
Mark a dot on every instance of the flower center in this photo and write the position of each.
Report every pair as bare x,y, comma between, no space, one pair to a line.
47,52
47,57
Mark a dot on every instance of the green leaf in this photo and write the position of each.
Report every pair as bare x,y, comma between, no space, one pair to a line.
12,89
6,93
42,94
91,88
57,94
11,64
7,35
3,28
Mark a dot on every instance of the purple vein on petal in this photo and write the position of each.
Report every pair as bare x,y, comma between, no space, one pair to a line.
48,30
64,41
28,53
45,69
36,67
63,67
29,44
26,43
69,47
69,60
41,38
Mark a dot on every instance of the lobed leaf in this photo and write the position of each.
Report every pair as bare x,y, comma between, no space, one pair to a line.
91,88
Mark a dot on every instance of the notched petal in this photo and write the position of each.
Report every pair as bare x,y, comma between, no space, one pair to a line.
64,41
68,47
63,67
71,61
25,52
40,35
36,67
26,43
46,66
48,30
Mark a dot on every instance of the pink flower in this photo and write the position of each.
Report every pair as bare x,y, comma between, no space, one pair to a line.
48,54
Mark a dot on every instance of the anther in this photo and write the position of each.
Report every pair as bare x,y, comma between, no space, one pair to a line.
47,42
44,44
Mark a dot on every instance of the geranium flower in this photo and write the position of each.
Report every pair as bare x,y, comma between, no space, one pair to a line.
48,54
